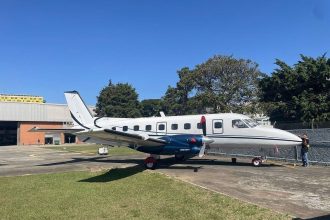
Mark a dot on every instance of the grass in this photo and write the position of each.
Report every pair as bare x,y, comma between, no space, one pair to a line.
123,193
93,149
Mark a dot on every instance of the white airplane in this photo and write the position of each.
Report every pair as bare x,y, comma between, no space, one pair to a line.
182,136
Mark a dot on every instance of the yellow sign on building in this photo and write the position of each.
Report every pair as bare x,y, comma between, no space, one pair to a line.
21,98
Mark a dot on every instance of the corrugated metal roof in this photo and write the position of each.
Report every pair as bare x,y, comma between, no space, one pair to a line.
10,111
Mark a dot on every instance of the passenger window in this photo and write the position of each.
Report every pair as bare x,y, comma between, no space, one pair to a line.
237,123
125,128
174,126
114,128
218,125
187,126
199,126
136,127
148,127
161,127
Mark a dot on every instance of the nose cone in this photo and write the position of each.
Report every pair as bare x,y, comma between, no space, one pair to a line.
290,138
276,137
293,137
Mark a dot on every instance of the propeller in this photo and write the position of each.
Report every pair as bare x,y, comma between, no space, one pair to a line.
205,140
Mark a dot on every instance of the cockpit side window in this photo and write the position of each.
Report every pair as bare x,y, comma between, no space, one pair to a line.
250,122
238,123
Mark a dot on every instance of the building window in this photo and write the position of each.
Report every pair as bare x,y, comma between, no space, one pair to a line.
125,128
187,126
136,127
161,127
174,126
148,127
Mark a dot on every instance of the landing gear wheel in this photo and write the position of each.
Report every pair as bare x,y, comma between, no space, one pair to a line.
179,157
256,162
150,163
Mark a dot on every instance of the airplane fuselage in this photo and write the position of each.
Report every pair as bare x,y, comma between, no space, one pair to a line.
226,130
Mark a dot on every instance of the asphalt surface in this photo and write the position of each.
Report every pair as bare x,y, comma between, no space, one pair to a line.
295,190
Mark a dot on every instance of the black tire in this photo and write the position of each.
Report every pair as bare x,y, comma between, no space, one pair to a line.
256,162
150,163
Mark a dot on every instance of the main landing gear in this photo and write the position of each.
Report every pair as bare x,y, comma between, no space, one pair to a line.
151,161
179,157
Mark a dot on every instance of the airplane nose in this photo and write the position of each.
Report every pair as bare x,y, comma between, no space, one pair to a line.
292,137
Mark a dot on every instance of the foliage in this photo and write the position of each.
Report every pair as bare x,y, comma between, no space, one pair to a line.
300,92
118,100
222,84
151,107
176,100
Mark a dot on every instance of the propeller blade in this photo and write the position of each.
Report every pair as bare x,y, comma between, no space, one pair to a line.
202,151
203,124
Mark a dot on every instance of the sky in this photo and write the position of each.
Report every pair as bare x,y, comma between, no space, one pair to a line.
48,47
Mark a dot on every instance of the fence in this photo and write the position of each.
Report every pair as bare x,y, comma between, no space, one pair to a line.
319,151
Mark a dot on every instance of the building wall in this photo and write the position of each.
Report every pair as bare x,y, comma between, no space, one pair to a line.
31,138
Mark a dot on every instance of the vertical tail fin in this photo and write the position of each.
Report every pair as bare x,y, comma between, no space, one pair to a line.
80,113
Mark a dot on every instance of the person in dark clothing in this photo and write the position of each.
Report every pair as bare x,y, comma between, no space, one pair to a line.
304,150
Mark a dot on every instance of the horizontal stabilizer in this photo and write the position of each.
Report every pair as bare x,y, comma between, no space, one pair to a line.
56,130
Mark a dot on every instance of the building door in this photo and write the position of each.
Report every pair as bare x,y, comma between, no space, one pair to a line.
48,140
69,138
8,133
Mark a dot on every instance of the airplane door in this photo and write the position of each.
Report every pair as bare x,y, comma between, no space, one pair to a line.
161,128
217,126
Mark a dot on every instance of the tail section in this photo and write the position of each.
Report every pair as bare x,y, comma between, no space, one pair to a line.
80,113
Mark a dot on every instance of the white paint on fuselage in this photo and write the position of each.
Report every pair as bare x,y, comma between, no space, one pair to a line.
226,136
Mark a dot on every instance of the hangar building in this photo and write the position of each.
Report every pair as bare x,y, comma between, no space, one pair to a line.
20,113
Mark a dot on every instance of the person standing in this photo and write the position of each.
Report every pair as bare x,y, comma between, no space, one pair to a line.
304,150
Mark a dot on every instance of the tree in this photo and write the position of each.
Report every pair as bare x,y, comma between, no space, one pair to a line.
300,92
177,100
118,100
151,107
227,84
171,102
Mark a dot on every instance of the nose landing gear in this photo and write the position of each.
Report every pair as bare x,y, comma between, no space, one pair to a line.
257,161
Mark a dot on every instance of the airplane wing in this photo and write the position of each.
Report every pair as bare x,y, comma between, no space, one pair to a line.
122,137
56,130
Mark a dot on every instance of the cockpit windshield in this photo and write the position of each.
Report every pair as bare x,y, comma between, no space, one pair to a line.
245,123
250,122
238,123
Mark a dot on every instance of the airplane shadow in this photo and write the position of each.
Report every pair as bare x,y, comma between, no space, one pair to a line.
165,163
115,174
324,217
94,159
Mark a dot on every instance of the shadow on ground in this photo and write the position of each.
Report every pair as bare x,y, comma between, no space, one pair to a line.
115,174
166,163
324,217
